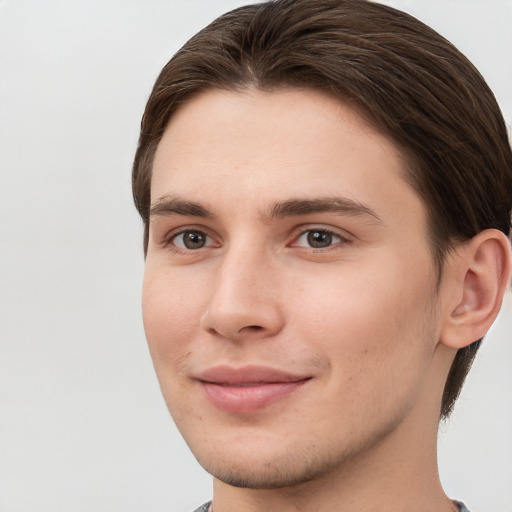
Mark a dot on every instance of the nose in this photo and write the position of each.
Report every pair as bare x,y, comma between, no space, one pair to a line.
245,301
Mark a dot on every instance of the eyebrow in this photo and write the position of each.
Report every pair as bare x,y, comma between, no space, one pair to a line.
174,205
341,205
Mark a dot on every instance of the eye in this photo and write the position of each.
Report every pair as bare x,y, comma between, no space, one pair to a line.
191,239
318,239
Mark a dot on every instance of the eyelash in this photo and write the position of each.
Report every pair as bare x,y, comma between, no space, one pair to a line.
170,239
325,232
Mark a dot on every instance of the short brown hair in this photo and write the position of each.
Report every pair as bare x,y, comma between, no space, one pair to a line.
406,79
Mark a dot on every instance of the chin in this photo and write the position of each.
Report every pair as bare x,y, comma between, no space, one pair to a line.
276,473
272,469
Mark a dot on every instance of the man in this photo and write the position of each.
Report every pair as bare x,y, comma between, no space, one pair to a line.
326,188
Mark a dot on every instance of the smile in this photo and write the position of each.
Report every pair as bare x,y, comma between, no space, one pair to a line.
248,389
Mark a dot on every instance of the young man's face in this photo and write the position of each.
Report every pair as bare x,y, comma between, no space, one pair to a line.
289,299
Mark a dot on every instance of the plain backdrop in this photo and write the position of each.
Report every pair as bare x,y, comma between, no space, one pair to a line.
82,424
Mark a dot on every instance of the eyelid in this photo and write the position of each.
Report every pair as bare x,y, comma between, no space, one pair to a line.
343,235
169,237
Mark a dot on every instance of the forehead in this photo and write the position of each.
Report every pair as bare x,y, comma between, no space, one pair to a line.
226,147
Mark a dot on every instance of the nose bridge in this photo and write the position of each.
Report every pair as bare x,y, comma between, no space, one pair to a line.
245,298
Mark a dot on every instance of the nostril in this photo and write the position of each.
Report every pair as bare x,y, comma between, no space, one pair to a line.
255,327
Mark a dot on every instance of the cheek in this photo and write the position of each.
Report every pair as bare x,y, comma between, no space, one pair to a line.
170,316
373,324
379,353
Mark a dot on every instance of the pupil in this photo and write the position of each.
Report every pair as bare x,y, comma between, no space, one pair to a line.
319,239
194,240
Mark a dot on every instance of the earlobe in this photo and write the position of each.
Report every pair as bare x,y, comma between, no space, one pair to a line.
482,268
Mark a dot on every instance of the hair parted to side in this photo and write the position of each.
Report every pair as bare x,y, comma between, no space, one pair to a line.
402,76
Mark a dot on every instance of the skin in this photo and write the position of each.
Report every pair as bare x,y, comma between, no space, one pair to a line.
360,316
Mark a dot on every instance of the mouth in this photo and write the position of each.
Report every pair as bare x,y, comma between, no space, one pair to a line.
248,389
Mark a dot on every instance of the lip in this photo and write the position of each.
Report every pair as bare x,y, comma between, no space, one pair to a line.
248,389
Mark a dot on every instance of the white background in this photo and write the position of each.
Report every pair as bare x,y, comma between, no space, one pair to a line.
82,423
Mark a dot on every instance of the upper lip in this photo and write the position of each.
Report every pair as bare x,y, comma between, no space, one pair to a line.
247,375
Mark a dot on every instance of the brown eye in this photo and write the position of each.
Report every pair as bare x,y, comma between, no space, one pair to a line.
190,240
319,239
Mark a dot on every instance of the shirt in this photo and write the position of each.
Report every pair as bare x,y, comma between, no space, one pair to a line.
206,507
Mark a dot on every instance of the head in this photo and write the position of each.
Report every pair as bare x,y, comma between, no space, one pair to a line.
403,78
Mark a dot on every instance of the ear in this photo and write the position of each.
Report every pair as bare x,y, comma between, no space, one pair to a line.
478,274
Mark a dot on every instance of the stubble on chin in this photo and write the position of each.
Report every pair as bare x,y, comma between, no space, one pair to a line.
293,468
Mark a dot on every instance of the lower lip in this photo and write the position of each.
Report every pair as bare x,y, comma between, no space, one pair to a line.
246,399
